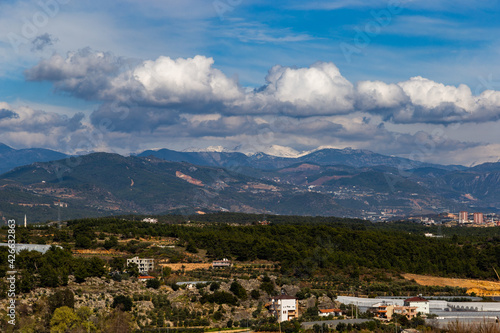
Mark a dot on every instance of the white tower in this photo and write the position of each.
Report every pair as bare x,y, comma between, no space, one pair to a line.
25,220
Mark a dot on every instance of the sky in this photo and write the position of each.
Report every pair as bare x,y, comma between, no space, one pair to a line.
410,78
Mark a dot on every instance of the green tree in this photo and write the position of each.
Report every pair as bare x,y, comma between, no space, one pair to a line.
49,276
83,241
118,264
133,269
80,272
111,243
64,319
417,321
217,316
27,282
255,294
84,313
191,248
341,327
124,303
238,290
153,283
166,271
96,267
267,285
61,298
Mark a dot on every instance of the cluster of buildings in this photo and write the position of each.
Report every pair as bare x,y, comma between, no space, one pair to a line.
463,218
477,218
410,309
146,265
285,307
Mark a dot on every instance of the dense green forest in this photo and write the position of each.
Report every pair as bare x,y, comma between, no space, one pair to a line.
304,246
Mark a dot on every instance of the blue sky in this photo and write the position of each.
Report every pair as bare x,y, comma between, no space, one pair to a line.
411,78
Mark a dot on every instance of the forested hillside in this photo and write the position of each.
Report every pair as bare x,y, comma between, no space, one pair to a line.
306,246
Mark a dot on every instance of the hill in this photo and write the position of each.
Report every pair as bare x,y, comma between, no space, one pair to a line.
11,158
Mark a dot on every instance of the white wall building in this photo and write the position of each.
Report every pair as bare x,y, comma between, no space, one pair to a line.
420,303
221,263
284,307
145,265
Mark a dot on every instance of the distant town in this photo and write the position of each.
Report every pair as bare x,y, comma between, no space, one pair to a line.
463,218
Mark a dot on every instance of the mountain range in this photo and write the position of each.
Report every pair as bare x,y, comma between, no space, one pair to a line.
11,158
327,156
348,182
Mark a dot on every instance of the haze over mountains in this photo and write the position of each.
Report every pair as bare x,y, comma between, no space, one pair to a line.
345,182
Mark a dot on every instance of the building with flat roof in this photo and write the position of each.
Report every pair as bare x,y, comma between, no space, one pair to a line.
419,302
221,263
463,217
284,307
144,265
478,218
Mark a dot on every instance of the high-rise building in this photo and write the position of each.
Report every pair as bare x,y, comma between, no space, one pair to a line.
463,217
478,218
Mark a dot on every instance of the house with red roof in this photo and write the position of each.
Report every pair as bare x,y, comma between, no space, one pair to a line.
328,312
145,277
419,302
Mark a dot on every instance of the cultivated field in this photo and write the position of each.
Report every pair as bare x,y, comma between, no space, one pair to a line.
480,287
186,267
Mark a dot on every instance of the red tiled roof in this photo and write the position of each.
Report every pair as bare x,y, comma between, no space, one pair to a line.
329,310
146,277
416,299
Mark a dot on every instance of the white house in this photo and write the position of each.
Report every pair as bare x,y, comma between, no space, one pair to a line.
221,263
145,265
284,307
420,303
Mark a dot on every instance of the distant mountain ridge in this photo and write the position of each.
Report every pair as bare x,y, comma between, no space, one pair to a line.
104,184
11,158
327,156
147,185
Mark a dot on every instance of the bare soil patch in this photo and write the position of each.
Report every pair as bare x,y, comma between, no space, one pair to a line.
480,287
